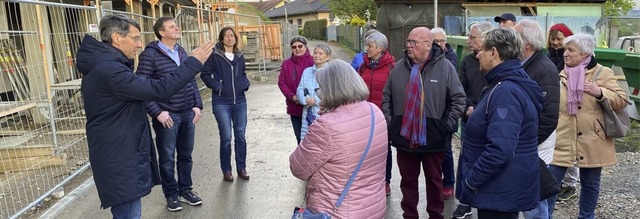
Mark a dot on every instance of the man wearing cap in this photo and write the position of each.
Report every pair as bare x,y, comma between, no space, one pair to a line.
506,20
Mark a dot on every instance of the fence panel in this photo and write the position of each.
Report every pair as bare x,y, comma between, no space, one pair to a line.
42,116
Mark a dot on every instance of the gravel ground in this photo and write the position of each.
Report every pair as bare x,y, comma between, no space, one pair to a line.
619,193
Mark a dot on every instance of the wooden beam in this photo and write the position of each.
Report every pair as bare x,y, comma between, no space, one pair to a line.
14,153
31,163
14,108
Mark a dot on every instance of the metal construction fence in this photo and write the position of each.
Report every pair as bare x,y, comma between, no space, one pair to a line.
42,123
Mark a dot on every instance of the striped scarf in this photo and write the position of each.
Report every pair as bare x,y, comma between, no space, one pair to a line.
414,120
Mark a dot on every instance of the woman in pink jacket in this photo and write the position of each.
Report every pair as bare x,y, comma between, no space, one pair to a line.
334,143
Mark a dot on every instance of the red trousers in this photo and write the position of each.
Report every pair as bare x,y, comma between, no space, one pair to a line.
409,166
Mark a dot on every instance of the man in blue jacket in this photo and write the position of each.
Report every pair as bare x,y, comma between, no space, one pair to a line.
174,119
121,152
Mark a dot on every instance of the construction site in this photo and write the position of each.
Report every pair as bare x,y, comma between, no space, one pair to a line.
42,121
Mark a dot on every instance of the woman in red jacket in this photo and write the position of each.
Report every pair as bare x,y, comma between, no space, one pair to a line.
375,69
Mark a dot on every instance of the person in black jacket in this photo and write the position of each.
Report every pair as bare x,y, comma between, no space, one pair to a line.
540,69
421,119
448,175
174,119
557,34
225,74
121,151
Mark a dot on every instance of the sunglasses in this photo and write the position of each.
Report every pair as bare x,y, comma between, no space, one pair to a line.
298,46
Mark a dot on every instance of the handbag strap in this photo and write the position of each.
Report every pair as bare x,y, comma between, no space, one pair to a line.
355,172
595,76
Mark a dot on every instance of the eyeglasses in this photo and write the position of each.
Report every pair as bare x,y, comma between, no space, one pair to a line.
298,46
413,43
440,41
472,37
135,39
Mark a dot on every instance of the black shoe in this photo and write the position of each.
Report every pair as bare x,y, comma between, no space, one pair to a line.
191,198
566,193
173,204
462,211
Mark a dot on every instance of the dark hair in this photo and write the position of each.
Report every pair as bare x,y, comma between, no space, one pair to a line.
235,35
116,23
159,25
298,38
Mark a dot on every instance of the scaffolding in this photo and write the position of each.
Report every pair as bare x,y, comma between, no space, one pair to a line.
42,119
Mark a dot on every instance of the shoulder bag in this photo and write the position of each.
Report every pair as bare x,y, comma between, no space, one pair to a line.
616,123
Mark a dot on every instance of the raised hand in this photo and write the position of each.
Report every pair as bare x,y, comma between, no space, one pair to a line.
203,51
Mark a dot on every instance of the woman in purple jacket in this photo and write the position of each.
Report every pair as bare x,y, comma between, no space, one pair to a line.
290,75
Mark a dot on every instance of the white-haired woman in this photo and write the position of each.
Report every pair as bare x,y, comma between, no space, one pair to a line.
306,89
336,141
581,139
378,62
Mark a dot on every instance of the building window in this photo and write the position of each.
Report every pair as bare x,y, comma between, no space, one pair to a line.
291,21
299,22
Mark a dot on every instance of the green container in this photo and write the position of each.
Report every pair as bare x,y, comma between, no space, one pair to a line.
631,67
459,45
608,57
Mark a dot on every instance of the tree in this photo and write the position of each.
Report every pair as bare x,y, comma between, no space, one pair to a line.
615,8
347,9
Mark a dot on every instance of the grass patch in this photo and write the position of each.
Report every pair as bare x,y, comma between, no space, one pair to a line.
630,143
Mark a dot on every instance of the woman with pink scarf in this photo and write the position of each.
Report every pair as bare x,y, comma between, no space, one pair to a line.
581,139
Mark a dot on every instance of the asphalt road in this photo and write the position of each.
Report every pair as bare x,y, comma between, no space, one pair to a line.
272,191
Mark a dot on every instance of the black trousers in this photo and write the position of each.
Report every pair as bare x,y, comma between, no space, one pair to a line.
489,214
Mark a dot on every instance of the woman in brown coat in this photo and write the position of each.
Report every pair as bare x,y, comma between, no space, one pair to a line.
581,140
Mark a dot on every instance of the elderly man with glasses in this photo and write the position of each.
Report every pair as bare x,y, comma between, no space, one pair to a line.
422,101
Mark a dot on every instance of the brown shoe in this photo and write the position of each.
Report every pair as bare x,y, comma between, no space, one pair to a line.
227,176
242,174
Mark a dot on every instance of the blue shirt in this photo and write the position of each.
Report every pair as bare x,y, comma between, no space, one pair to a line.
173,53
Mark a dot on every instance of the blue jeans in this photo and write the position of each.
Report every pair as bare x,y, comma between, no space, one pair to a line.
448,176
296,122
228,116
540,212
589,190
127,210
180,138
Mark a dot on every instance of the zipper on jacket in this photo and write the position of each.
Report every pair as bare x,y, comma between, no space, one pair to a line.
233,74
486,110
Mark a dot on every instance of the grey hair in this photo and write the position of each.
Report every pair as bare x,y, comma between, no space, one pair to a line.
340,85
532,34
586,43
483,26
379,39
117,23
324,48
506,41
438,30
298,38
369,32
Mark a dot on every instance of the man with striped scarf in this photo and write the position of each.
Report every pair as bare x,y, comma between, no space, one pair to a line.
423,99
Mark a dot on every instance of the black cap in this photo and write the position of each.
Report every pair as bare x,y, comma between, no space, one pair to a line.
505,16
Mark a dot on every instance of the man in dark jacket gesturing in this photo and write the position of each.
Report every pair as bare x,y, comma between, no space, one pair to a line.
422,100
174,119
542,70
120,149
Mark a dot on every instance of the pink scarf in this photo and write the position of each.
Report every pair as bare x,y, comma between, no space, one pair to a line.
575,85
